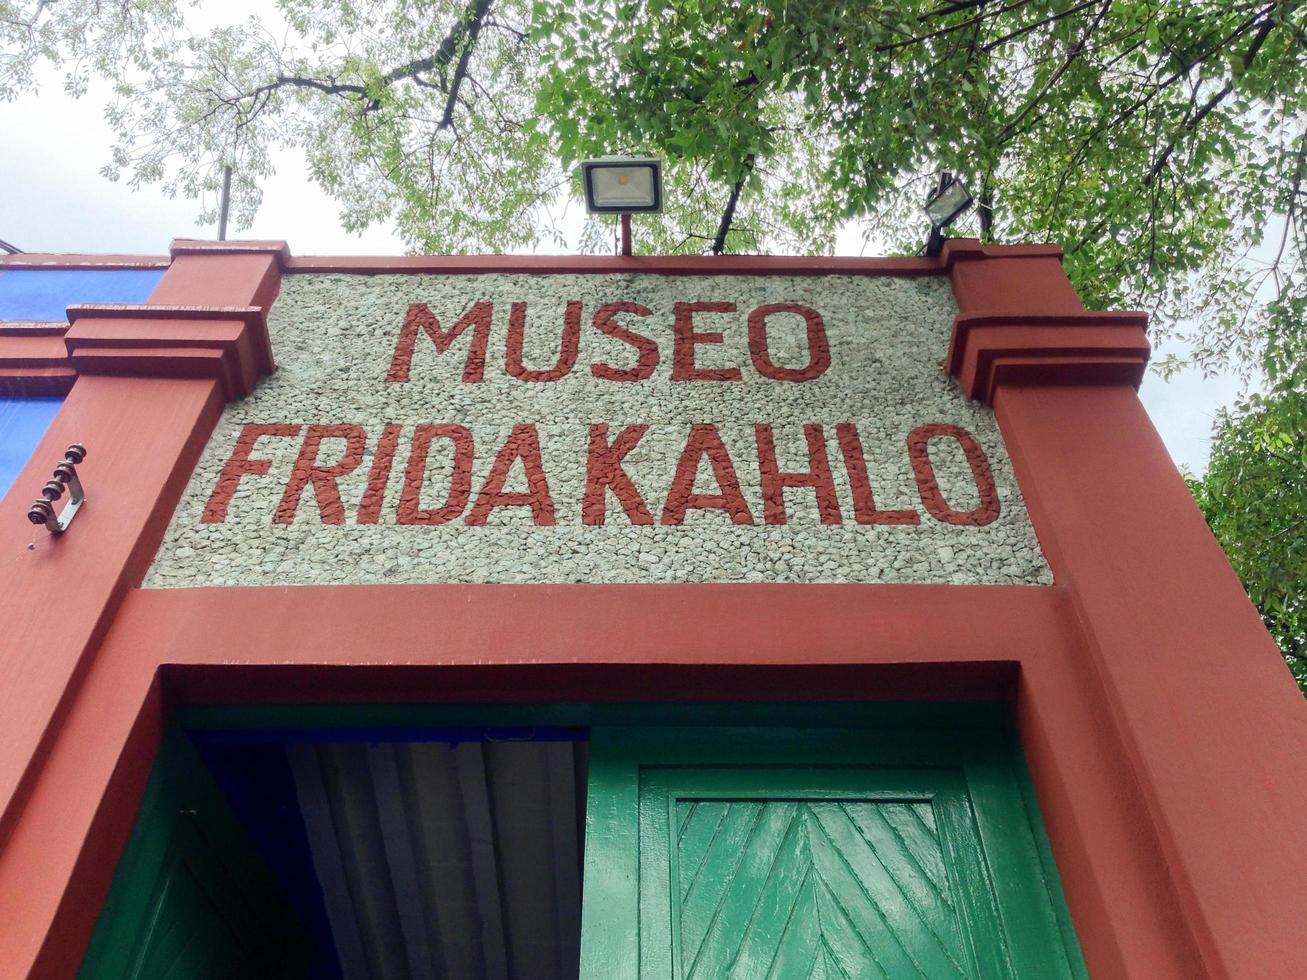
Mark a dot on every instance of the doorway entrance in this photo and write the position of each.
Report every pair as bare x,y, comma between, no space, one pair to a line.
600,841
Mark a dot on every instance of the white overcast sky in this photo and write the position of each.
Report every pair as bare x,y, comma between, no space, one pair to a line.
53,199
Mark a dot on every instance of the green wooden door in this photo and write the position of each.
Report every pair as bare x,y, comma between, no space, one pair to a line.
191,898
828,853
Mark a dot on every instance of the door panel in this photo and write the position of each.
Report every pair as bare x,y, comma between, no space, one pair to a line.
807,885
771,854
191,897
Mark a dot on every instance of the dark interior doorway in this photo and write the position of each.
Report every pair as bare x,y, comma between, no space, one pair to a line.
398,852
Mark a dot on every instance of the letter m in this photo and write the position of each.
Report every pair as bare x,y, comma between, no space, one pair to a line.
420,317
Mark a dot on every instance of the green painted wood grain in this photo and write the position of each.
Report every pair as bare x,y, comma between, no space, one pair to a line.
808,871
817,852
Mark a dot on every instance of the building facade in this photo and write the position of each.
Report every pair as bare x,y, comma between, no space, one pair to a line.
619,617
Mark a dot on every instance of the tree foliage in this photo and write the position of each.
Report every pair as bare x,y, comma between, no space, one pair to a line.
1164,145
1160,143
1254,496
407,111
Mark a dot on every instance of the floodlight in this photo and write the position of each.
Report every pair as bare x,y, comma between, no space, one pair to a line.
622,185
948,203
950,199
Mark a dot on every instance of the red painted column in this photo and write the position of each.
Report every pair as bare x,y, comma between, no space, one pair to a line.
1215,728
1211,725
60,853
151,381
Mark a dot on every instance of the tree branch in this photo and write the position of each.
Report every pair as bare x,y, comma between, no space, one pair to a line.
1142,102
1021,31
970,21
1289,210
465,30
472,28
30,23
724,226
299,81
1072,55
985,208
1192,122
952,8
443,55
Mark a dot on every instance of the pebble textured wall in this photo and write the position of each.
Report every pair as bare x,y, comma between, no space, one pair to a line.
373,456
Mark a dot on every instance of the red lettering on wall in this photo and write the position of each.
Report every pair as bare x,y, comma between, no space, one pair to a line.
864,504
704,440
568,347
817,476
323,478
686,338
523,443
239,465
420,316
603,471
378,476
919,453
410,509
818,345
605,322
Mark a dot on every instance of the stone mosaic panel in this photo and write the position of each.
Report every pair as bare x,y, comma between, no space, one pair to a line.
604,428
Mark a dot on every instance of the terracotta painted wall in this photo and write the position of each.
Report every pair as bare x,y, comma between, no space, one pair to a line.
1165,737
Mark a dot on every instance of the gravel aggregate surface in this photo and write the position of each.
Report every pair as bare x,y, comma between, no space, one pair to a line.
334,337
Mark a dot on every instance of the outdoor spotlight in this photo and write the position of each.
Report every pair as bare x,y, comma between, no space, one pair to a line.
622,185
948,202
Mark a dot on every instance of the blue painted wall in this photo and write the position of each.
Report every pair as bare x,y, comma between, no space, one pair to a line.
44,294
23,422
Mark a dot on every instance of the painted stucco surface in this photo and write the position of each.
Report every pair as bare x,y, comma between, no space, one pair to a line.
337,339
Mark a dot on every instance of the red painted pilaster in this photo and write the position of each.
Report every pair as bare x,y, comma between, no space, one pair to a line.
1185,677
1212,723
143,410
